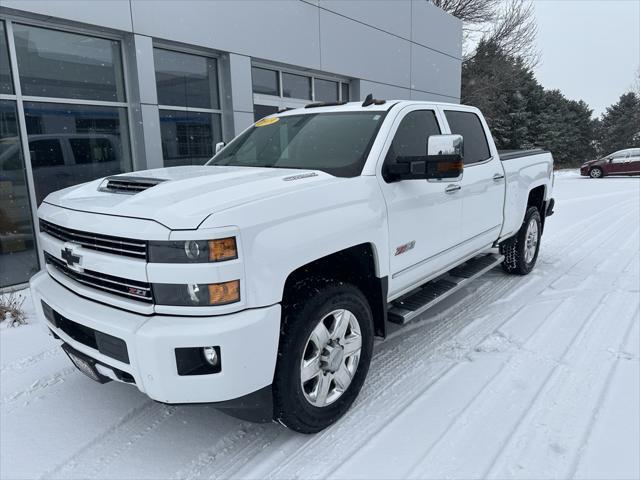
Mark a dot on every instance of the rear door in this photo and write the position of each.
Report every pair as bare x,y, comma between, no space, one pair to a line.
634,161
423,216
483,181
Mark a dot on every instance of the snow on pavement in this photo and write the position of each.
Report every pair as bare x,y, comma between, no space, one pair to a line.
515,377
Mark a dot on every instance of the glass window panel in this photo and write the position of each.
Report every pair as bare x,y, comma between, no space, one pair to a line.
467,124
68,65
261,111
6,86
18,257
296,86
265,81
410,140
345,92
71,144
326,90
188,138
186,80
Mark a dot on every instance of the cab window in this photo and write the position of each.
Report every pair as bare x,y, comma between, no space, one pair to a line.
467,124
410,140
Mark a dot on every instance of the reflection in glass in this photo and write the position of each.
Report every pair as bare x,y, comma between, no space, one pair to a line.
71,144
326,90
68,65
6,86
188,138
186,80
18,258
265,81
296,86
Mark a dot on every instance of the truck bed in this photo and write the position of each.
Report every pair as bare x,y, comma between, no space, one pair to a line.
512,154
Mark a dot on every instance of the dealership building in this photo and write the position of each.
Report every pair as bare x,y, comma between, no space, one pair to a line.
99,87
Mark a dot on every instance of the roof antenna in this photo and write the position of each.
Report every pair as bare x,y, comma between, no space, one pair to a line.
368,100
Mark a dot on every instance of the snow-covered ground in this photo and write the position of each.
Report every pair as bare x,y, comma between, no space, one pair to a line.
517,377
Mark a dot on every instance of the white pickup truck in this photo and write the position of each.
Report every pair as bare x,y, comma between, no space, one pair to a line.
259,280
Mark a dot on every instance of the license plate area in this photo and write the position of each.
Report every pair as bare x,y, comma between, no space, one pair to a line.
85,364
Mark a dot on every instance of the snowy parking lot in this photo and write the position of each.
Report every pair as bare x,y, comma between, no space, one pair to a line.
514,377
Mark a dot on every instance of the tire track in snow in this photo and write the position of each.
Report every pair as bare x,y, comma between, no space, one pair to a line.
40,386
524,444
24,363
121,437
575,464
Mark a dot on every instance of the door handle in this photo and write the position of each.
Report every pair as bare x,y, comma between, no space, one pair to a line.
497,177
452,188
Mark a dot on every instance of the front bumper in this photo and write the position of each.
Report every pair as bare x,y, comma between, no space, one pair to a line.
248,343
584,170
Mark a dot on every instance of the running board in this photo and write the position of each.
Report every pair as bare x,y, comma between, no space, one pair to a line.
409,306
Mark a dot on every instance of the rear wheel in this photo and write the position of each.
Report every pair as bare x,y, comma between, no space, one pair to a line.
521,252
596,172
326,345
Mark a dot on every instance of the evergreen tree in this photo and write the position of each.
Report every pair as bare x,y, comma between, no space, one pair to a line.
620,125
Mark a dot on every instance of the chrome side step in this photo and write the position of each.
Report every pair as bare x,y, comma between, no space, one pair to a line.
409,306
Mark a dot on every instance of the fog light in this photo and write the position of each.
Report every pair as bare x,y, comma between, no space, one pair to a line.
210,355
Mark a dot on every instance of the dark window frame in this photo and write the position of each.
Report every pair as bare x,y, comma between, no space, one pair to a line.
484,135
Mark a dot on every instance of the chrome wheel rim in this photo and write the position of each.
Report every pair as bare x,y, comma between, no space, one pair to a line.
531,240
595,173
330,358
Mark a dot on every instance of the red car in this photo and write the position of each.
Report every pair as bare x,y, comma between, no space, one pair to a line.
622,162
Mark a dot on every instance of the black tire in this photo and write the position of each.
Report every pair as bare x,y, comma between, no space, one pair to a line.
515,249
291,408
596,172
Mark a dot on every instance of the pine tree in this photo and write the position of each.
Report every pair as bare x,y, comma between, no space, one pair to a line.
620,125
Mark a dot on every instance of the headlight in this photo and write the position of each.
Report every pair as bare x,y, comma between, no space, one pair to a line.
196,294
193,251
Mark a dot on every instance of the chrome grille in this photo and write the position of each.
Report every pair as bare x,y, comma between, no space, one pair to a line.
127,247
109,283
129,184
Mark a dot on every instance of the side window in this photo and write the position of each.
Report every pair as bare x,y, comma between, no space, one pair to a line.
411,137
467,124
618,157
46,153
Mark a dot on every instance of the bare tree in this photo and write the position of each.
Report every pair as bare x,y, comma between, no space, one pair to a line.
509,24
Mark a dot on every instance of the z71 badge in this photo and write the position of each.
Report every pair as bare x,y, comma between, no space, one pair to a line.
405,248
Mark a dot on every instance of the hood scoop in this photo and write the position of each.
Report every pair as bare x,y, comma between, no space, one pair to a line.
128,185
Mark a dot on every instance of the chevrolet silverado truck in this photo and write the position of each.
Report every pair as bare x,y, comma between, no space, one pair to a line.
259,280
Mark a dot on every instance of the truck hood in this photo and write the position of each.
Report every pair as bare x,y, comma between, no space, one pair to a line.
186,196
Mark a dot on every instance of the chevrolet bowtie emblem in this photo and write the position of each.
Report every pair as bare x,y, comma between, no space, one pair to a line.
69,257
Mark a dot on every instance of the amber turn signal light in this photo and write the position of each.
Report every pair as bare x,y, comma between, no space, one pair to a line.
223,249
224,293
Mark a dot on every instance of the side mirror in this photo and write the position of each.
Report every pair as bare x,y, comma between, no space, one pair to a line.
219,146
445,157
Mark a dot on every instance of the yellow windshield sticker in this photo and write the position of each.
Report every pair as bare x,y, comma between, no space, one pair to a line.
267,121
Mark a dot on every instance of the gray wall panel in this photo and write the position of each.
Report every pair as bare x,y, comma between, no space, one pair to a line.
145,69
350,48
281,31
393,16
152,139
242,120
434,72
105,13
381,90
434,28
432,97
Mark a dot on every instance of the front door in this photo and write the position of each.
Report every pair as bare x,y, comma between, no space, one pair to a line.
618,163
423,216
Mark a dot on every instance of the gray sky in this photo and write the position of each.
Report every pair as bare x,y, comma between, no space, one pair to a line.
590,49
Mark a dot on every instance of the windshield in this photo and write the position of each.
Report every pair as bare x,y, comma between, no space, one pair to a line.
337,143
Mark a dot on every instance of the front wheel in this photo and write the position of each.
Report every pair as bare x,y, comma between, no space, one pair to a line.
596,172
521,252
326,345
